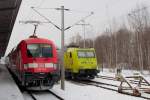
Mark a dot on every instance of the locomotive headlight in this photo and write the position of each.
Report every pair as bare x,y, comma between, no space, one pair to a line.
32,65
55,66
49,65
25,66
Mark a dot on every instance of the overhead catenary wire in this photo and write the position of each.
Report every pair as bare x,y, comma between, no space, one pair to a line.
58,9
44,8
80,20
72,10
45,18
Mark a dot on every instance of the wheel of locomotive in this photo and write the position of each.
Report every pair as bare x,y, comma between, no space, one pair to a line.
68,75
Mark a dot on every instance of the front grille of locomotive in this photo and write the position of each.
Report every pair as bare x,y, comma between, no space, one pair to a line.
38,79
37,83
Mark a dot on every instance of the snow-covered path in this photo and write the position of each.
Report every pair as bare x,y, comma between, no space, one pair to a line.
8,88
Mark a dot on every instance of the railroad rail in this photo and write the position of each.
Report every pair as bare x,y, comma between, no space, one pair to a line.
31,94
109,87
56,95
126,85
107,77
115,79
23,89
135,85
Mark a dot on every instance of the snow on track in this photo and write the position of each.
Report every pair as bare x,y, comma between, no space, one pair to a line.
44,96
86,92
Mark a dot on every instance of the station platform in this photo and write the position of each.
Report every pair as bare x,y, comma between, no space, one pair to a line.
8,88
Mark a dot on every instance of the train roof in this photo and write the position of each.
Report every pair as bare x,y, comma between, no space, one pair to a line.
37,40
34,40
75,49
72,46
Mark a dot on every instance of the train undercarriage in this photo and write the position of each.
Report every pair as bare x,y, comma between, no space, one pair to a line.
39,81
83,74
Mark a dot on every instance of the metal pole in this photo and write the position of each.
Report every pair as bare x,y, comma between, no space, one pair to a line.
84,32
35,27
62,50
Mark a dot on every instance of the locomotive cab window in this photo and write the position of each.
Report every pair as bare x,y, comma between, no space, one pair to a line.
86,54
39,50
90,54
81,54
46,50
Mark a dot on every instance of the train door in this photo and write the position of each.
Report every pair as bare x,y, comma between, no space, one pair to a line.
70,60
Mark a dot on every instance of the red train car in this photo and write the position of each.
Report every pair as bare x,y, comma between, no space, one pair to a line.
34,62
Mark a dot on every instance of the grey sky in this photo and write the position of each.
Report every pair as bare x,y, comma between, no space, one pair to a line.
104,12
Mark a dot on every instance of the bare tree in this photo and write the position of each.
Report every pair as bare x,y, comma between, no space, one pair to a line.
138,19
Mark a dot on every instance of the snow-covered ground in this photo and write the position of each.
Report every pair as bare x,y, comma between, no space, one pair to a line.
107,72
76,91
85,92
73,90
8,88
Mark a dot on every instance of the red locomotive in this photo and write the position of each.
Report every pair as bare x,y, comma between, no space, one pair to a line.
34,62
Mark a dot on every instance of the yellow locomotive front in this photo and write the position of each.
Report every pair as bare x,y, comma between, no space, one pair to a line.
80,63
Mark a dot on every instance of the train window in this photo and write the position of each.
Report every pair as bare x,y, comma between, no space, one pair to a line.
33,50
39,50
86,54
81,54
90,54
46,50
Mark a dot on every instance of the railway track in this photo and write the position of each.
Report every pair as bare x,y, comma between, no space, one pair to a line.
34,96
114,79
107,77
109,87
31,95
56,95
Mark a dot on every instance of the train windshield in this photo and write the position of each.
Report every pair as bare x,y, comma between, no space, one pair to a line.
86,54
39,50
